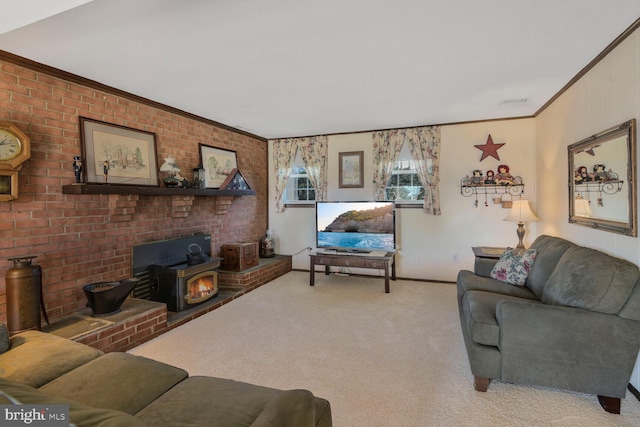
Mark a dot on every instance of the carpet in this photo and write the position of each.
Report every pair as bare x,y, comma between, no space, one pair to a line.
385,360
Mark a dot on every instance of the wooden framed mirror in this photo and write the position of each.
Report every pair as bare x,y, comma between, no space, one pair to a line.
602,182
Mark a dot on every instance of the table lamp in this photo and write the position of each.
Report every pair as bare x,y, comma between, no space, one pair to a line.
171,168
582,207
521,212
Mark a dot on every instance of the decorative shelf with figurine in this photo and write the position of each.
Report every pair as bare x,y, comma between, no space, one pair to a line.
600,181
468,190
606,187
492,183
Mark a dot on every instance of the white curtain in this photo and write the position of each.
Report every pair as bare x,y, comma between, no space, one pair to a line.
284,151
386,147
424,143
313,151
314,155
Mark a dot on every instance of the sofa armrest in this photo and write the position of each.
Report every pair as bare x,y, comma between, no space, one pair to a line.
483,266
294,408
529,328
567,347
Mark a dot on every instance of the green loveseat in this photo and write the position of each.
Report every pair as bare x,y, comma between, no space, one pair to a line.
120,389
574,325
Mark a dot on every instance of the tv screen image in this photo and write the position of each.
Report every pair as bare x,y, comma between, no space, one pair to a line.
356,226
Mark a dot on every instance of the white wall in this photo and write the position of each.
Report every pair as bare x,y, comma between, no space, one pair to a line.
606,96
427,243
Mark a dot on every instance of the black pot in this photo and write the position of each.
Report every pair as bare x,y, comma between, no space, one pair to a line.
196,256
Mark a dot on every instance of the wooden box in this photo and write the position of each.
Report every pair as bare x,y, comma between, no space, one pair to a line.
239,256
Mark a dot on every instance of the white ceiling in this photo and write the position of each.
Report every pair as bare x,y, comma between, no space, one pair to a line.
284,68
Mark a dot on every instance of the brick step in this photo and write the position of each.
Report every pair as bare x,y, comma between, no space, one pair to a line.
142,320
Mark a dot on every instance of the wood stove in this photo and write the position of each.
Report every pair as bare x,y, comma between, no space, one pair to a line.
166,275
184,286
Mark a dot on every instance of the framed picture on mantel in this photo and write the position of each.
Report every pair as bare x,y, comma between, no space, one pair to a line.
217,163
118,155
351,169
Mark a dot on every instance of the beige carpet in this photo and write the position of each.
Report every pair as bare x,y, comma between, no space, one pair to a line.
381,359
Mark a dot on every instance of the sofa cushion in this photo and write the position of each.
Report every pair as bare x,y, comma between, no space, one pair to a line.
35,357
514,266
118,381
550,249
79,415
4,338
589,279
228,403
480,315
467,281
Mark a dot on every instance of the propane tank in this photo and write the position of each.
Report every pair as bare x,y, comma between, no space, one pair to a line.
24,295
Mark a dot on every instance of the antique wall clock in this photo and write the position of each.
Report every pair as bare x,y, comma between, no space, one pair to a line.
15,147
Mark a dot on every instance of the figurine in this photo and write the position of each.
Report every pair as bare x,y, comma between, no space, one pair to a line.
105,170
503,177
490,178
77,168
476,178
582,175
600,173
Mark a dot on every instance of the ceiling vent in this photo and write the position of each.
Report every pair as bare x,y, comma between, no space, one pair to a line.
513,101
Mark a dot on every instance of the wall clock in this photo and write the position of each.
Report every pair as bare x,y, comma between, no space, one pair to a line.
15,147
8,185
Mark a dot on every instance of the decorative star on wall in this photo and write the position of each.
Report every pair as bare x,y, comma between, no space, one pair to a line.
489,149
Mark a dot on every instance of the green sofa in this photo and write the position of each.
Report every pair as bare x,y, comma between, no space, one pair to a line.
120,389
573,325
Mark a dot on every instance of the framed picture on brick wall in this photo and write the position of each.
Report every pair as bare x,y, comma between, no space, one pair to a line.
118,155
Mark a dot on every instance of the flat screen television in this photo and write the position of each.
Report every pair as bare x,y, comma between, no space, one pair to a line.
356,226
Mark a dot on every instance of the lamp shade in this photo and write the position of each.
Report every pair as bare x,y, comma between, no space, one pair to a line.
521,212
582,207
169,166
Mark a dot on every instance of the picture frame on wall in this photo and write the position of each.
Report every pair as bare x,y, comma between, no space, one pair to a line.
351,169
217,163
117,154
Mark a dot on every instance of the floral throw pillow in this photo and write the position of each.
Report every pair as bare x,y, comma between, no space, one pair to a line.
514,266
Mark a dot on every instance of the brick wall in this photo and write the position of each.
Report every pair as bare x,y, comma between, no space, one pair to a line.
256,276
80,239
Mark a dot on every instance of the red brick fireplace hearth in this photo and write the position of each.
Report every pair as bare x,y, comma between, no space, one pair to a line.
142,320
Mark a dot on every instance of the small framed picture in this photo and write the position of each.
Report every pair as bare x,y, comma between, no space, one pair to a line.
118,155
351,169
217,163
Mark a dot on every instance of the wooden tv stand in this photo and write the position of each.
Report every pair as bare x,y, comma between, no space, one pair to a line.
345,259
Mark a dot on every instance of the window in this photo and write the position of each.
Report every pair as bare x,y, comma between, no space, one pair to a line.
299,188
404,184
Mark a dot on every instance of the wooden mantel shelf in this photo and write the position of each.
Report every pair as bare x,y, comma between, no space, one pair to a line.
123,199
150,191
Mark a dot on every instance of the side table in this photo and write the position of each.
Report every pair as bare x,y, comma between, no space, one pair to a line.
488,252
486,257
